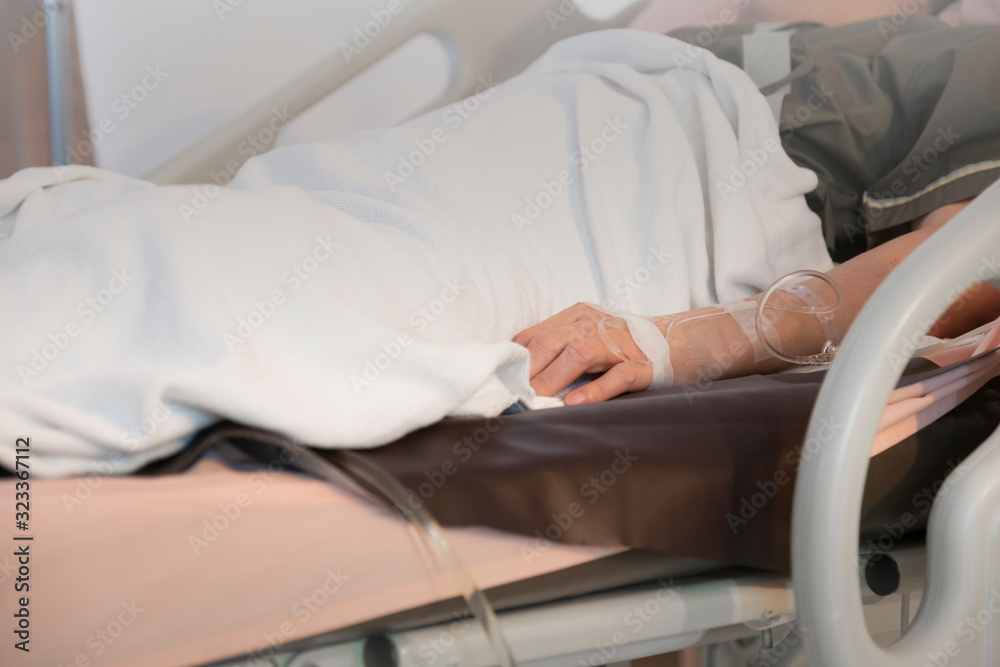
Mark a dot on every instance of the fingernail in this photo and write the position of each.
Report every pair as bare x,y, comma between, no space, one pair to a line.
576,399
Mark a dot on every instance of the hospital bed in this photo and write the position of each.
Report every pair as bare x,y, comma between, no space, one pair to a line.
839,606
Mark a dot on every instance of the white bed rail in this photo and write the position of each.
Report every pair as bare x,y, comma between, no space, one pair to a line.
958,622
495,38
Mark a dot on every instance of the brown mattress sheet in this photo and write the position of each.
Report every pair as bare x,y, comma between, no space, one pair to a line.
705,473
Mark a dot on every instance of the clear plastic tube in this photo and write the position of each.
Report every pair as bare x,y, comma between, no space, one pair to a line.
347,469
822,307
373,475
811,294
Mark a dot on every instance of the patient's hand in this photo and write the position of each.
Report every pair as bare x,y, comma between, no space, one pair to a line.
568,344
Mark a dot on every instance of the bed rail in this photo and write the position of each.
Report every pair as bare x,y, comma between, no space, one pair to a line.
484,38
59,78
959,619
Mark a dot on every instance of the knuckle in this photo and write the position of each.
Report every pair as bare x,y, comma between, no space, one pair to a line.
588,328
546,342
580,351
598,392
628,373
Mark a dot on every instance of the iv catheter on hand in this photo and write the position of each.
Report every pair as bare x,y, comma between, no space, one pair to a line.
792,303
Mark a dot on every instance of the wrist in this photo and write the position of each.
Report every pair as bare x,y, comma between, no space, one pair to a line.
707,345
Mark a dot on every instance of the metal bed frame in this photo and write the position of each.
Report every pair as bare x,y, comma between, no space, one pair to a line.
839,606
57,32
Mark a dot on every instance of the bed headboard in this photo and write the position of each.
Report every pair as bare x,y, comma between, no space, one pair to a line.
497,38
963,536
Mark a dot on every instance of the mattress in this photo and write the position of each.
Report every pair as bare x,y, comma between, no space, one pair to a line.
226,551
230,559
699,472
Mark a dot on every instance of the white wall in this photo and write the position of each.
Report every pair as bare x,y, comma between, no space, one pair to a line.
214,62
666,15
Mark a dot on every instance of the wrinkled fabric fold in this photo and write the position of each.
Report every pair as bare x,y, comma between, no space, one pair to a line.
348,293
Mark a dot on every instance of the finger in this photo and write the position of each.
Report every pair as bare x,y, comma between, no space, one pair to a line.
547,346
562,318
621,379
586,356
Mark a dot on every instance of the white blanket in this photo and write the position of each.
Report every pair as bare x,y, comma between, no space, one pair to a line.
350,292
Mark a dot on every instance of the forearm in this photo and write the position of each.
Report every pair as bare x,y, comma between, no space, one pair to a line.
574,342
717,348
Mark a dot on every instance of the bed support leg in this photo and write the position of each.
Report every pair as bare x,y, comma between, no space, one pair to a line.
904,613
786,653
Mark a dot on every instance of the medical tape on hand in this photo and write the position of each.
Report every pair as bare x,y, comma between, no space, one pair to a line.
650,342
745,314
813,300
653,344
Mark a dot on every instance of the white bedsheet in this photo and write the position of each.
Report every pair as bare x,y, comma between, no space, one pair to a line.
348,293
